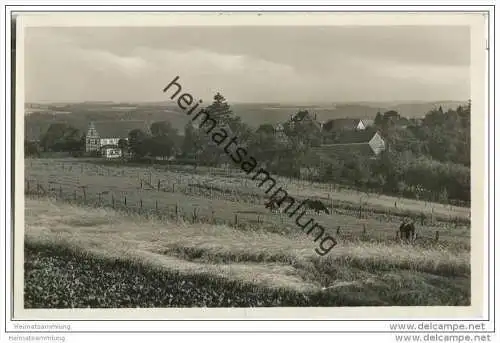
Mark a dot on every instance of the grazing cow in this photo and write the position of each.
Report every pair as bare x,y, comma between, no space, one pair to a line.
407,231
273,206
317,206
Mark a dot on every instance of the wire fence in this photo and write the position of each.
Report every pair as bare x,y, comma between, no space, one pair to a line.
175,211
242,190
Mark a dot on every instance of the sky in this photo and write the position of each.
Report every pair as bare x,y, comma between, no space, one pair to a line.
248,64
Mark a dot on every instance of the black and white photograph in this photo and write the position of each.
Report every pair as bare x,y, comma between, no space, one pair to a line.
248,165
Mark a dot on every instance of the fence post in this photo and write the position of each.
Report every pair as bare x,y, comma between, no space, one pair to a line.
437,236
159,185
176,212
156,205
28,187
141,203
173,187
141,184
84,194
338,230
113,200
125,200
235,220
364,229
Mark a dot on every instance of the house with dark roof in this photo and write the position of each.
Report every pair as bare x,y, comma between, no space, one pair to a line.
347,124
365,142
304,116
105,135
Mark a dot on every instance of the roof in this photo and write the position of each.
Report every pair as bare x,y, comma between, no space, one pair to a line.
119,128
341,124
301,116
350,137
368,122
332,151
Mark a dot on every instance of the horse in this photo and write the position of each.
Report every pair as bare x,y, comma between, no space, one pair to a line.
407,231
317,206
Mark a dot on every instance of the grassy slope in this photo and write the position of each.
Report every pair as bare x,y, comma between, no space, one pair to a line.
72,253
123,178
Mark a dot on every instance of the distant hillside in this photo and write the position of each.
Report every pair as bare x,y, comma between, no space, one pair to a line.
38,117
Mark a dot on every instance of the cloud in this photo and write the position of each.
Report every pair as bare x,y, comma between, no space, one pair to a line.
252,64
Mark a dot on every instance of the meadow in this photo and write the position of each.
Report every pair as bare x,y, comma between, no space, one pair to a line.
204,238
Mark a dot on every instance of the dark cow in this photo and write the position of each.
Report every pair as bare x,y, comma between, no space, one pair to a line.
317,206
273,206
407,230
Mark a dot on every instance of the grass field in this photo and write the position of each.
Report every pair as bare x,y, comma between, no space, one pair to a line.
233,253
71,252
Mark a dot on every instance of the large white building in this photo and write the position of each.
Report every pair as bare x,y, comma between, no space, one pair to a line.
103,136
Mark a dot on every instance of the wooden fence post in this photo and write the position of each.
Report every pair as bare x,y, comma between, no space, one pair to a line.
141,184
176,212
28,187
338,230
141,203
113,200
364,229
156,205
437,236
159,183
125,202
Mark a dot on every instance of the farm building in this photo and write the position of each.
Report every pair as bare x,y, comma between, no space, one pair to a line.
347,124
304,116
366,142
107,134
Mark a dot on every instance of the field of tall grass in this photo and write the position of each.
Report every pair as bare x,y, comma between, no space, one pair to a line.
78,256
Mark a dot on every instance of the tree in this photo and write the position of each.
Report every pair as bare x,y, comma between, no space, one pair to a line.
162,128
61,137
303,131
136,139
30,149
123,145
265,129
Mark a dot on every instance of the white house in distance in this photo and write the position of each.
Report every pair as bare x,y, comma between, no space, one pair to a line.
103,136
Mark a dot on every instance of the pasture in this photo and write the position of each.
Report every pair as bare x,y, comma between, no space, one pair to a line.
200,228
